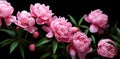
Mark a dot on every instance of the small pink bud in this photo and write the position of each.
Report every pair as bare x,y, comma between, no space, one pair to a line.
35,34
32,47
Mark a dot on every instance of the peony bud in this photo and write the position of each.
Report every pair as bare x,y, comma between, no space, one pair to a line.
32,47
35,34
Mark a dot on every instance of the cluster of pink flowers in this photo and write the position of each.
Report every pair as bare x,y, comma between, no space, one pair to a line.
60,28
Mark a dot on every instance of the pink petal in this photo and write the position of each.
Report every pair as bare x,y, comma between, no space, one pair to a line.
31,29
93,28
31,10
90,49
9,20
18,14
74,29
31,22
72,53
39,21
49,34
87,18
46,28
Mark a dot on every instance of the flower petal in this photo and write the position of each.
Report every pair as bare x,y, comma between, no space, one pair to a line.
93,29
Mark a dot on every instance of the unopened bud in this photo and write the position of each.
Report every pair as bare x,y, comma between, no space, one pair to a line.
32,47
35,34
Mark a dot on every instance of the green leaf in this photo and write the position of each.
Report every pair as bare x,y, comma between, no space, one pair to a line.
43,41
7,42
93,39
118,30
54,56
4,41
117,45
86,31
54,46
10,32
116,38
80,21
83,26
13,46
20,32
96,58
22,51
72,20
44,56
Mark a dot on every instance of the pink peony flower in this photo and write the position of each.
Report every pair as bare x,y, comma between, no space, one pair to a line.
106,49
82,44
26,21
62,29
97,19
5,9
35,34
42,12
32,47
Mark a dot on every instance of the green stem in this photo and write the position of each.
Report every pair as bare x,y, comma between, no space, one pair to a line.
26,35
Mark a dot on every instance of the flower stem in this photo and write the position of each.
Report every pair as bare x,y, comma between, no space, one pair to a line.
82,55
26,35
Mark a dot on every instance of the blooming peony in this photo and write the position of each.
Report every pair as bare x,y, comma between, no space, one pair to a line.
6,11
80,44
106,48
42,12
98,21
62,29
26,21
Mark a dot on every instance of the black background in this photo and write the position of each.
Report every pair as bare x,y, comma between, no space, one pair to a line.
76,8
